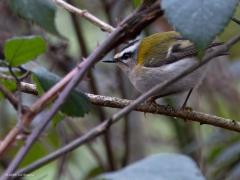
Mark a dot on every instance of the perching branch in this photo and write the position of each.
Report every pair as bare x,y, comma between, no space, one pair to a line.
202,118
114,102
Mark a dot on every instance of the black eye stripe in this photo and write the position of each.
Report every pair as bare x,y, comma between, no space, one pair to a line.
126,55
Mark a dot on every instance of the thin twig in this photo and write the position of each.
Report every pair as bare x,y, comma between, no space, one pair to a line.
12,99
166,110
114,102
62,163
121,87
84,13
93,86
19,94
6,77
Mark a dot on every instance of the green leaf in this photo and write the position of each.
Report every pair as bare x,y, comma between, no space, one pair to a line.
199,20
159,167
20,50
42,12
76,105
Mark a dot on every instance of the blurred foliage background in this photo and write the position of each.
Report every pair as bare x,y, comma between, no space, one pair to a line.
215,150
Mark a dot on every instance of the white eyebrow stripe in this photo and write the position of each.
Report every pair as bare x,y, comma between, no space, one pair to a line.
131,48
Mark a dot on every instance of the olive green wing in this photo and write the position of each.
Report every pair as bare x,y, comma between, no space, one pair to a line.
176,54
156,49
163,58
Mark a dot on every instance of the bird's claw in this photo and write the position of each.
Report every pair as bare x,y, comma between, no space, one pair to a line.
152,103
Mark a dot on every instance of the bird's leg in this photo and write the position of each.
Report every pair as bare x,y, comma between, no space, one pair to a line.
184,106
152,100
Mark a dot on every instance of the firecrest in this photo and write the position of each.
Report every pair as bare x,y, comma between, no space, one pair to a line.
158,58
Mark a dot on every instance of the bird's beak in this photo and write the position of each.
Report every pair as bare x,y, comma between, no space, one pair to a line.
109,61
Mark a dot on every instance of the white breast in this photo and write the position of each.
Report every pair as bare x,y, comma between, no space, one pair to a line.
144,78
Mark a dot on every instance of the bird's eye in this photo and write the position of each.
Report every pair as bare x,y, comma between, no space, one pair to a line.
126,56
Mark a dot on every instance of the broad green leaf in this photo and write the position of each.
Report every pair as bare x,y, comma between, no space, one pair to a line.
199,20
76,105
159,167
20,50
42,12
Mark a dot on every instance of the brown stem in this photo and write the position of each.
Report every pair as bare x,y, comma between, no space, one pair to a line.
94,88
12,99
102,25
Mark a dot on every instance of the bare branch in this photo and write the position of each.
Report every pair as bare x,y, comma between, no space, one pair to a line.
166,110
115,102
84,13
12,99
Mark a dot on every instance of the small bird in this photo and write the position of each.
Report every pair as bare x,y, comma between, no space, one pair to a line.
158,58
